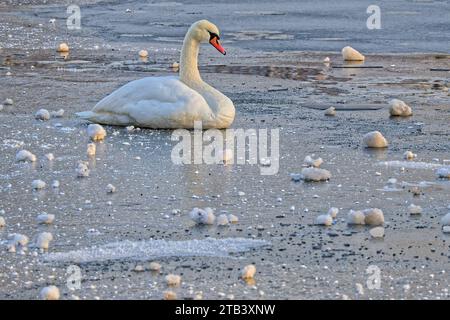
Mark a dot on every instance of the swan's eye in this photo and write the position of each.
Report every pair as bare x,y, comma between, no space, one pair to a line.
212,35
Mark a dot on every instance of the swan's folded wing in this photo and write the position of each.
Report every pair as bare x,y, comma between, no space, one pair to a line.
155,99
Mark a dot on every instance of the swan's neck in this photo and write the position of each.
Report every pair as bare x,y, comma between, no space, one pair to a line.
189,73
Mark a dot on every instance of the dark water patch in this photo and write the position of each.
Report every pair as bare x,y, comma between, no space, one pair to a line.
290,73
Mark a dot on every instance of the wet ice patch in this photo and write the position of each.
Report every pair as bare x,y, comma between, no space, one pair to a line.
151,249
259,35
377,232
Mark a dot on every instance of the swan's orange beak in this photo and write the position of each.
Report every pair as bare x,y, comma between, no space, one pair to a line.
215,43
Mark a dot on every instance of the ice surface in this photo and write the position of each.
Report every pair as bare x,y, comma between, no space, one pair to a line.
151,249
411,164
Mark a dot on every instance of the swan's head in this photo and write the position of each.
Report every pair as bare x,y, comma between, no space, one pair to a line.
205,31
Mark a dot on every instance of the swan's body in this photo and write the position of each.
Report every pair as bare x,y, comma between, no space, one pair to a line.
170,102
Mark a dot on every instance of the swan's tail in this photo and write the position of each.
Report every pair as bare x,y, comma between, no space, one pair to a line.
86,115
107,118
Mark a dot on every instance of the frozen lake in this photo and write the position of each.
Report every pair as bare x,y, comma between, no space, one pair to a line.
275,75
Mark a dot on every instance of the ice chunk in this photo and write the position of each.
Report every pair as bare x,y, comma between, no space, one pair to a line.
315,174
50,293
443,173
96,132
201,216
350,54
222,220
331,111
2,222
375,139
310,162
63,47
446,220
333,212
373,216
399,108
42,114
355,217
38,184
324,220
45,218
43,240
248,272
25,155
377,232
413,209
173,280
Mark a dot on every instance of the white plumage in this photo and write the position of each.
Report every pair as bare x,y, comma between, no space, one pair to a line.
169,102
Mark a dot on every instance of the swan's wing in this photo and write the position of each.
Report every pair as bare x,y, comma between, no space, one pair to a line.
156,100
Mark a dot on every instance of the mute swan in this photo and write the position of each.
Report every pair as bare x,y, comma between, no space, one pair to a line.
170,102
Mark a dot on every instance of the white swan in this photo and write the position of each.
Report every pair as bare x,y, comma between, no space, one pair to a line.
170,102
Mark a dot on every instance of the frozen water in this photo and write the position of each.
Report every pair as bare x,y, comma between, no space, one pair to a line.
151,249
270,90
410,164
